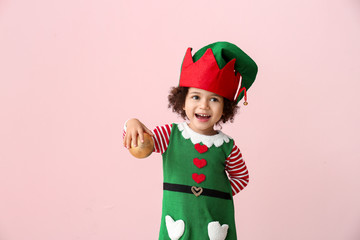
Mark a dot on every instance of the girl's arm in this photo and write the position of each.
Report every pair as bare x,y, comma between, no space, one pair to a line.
161,138
160,134
237,171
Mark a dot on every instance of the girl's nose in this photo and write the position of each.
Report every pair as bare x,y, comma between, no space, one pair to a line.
204,104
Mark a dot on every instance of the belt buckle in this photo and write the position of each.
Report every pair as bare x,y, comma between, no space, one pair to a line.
197,191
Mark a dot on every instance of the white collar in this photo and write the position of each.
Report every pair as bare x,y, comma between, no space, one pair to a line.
188,133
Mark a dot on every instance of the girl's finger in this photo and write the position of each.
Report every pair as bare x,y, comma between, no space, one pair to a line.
141,135
134,139
127,140
148,131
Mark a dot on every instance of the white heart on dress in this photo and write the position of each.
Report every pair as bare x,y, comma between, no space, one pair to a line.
175,228
217,232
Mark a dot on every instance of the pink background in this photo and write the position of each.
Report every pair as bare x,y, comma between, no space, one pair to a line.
72,72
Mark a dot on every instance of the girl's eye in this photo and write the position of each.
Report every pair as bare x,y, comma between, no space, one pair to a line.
195,97
214,99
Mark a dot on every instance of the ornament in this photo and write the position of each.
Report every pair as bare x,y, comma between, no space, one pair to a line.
143,149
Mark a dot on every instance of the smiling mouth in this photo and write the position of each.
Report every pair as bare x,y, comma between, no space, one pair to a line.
202,116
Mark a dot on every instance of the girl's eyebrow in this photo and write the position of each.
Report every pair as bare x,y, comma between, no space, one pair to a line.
212,95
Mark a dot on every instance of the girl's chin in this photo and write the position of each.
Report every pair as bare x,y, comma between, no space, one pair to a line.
204,130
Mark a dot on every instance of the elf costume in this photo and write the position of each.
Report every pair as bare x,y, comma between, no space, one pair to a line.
201,172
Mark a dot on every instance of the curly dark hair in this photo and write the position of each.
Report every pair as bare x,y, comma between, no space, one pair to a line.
177,98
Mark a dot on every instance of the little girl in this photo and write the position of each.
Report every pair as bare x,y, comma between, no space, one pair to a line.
203,168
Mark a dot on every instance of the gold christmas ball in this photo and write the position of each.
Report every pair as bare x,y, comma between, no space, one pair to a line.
143,149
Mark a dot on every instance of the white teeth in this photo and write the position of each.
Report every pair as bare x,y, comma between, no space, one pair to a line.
203,115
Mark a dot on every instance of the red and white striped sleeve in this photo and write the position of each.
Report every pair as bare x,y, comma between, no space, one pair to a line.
124,132
161,137
237,171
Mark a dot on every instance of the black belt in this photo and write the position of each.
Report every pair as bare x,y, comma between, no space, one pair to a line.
197,191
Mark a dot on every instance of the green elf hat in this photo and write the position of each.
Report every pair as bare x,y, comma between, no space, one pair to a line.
221,68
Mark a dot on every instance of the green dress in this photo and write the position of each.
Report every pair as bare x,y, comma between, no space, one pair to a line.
197,190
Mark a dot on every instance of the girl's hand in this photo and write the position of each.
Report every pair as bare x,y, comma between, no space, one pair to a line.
135,128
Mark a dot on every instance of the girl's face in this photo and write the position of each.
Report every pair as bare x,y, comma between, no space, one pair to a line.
204,109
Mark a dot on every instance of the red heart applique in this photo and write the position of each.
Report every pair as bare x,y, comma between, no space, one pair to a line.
198,178
200,163
201,148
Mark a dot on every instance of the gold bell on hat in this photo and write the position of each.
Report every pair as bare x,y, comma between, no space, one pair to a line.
243,89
